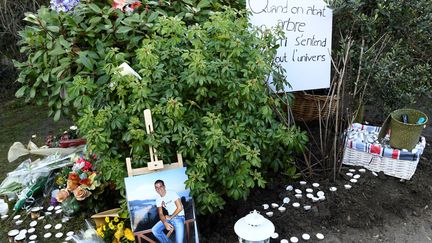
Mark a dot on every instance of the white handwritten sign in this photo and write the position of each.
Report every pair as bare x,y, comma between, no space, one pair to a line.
305,50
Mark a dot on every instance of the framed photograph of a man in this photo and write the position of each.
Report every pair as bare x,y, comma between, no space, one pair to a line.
161,208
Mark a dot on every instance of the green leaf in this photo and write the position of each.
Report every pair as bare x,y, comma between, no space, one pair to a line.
53,28
203,3
57,115
36,56
32,92
152,16
95,8
66,44
20,92
95,20
123,29
85,61
58,50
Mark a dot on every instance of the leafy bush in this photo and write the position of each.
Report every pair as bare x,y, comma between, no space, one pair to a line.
61,45
205,84
391,54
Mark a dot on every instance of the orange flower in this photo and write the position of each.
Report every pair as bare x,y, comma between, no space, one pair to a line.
71,185
86,182
74,177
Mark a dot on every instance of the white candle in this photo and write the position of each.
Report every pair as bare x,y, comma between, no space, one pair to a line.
294,239
305,236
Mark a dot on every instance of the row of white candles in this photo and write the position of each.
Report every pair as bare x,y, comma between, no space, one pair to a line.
299,194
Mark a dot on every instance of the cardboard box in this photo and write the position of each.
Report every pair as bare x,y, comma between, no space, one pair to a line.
99,218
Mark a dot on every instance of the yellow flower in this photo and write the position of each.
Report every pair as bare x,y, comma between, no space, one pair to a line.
120,225
116,219
99,231
118,234
104,228
129,234
111,225
107,219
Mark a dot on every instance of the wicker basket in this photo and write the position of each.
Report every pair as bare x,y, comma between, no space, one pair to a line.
309,107
403,169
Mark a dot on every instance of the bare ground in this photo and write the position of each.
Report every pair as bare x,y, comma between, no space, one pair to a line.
376,209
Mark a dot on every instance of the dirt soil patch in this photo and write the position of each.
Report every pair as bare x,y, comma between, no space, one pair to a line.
376,209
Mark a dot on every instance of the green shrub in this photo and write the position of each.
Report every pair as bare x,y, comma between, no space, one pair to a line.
205,83
395,65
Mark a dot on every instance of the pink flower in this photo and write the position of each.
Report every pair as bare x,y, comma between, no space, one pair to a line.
87,166
62,195
81,193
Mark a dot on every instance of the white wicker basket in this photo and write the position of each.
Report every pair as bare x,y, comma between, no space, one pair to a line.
403,169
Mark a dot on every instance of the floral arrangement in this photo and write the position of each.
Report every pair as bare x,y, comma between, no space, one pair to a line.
114,231
126,5
78,181
68,138
63,5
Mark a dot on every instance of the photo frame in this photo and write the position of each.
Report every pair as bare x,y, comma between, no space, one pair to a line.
142,197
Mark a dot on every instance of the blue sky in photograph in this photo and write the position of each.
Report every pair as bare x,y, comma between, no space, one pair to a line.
142,187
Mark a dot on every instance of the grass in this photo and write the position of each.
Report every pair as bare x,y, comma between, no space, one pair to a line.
18,122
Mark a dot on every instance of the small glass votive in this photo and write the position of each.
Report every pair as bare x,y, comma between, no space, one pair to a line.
12,234
35,213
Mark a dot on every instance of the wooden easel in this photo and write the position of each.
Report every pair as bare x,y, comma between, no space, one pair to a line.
154,165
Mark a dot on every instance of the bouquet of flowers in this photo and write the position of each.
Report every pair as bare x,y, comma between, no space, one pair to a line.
126,5
114,231
68,138
77,182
